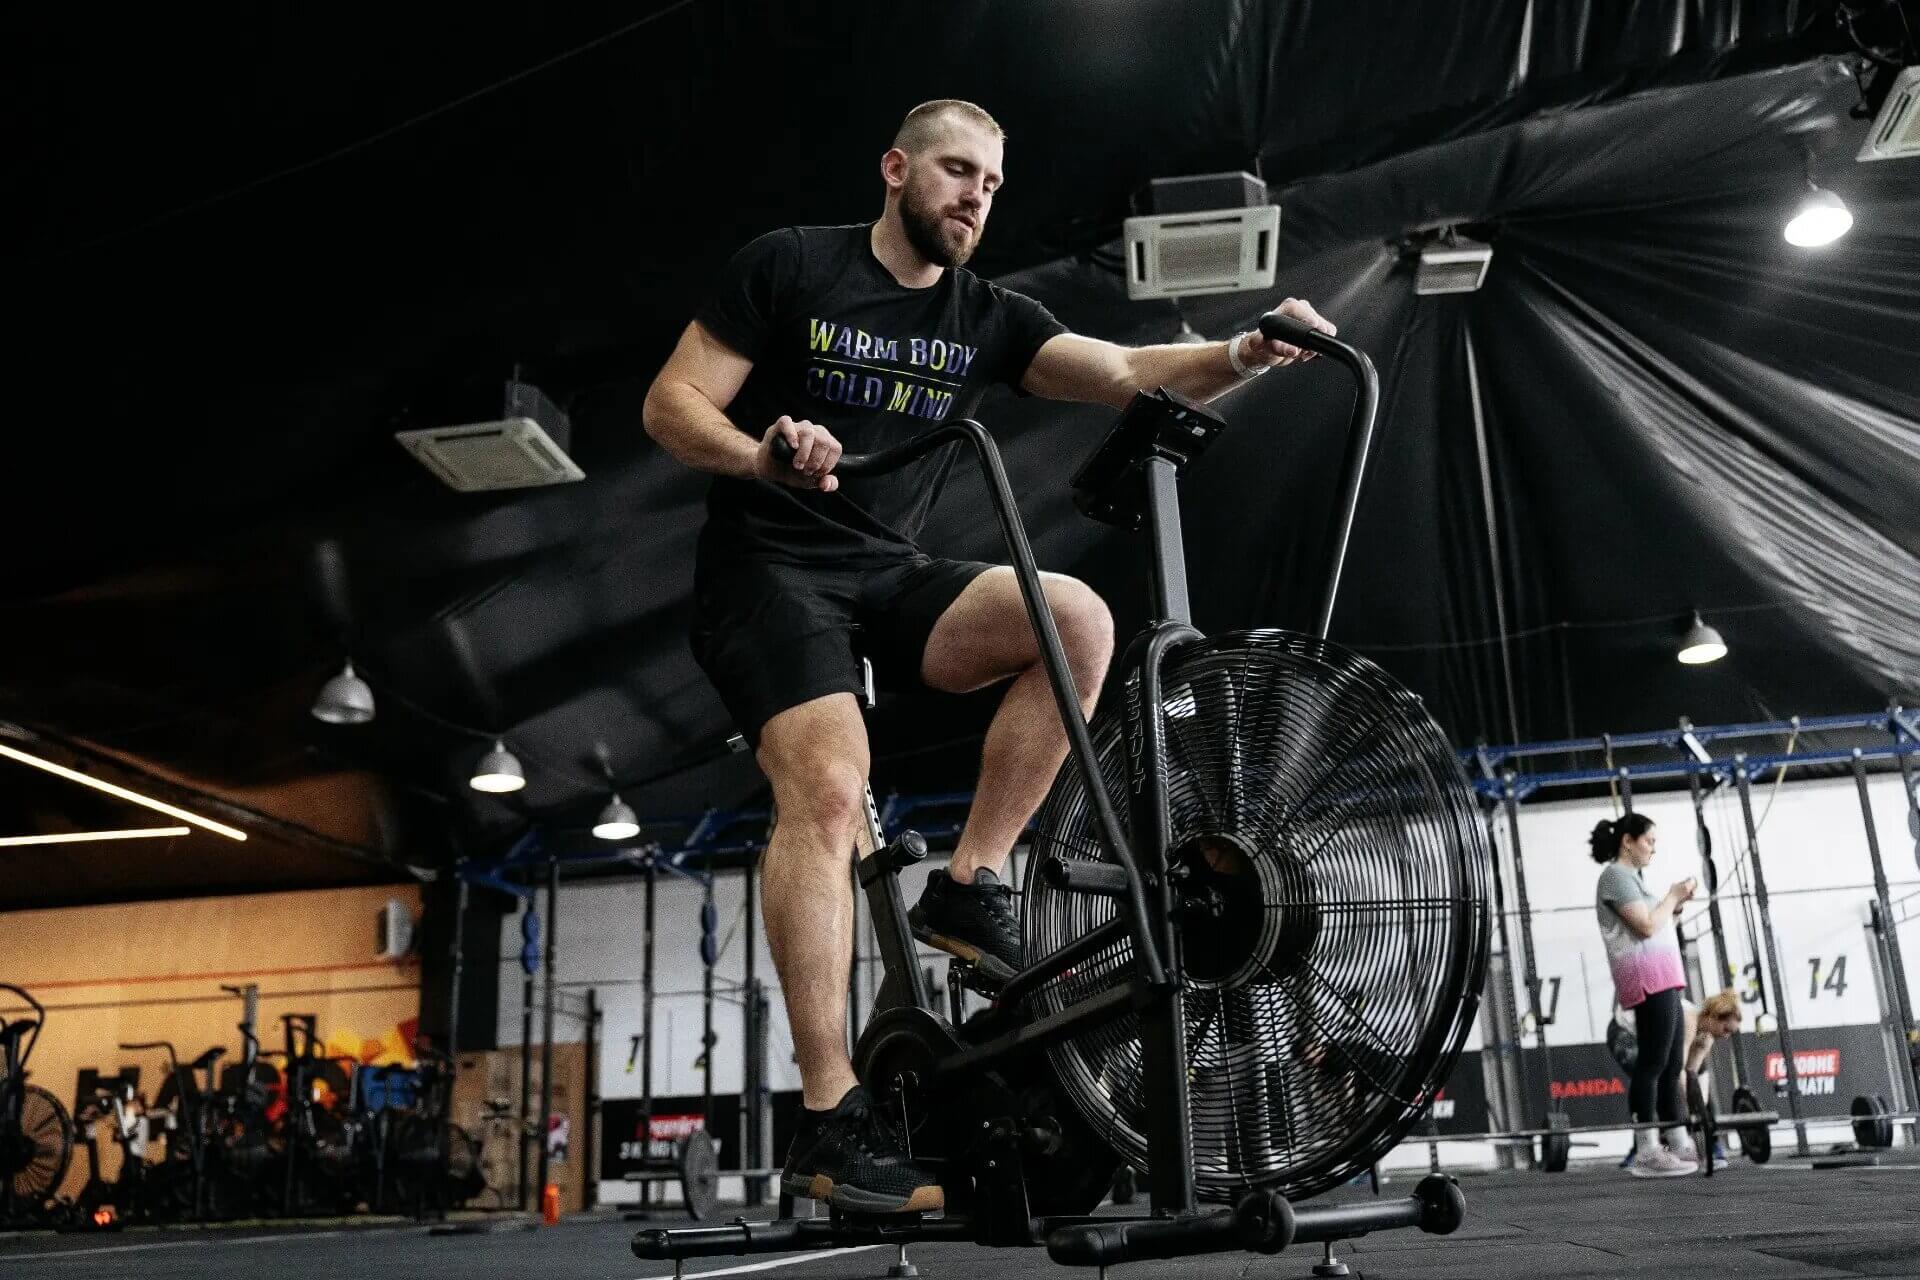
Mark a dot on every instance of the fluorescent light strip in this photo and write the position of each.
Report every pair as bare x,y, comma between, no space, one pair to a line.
76,837
85,781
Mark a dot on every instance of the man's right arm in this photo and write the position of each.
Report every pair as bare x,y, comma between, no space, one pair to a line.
685,412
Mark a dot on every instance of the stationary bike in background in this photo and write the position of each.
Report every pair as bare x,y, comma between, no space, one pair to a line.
1251,988
36,1135
103,1204
190,1175
319,1135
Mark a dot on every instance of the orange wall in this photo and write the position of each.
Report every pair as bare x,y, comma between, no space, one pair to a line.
153,971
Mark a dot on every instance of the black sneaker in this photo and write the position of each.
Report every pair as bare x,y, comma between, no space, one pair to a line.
853,1158
969,921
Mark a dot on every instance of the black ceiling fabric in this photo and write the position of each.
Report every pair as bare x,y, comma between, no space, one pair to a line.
251,255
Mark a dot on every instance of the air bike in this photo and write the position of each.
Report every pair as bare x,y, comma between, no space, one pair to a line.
1256,913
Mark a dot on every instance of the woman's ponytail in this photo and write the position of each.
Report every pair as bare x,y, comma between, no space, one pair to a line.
1605,840
1607,834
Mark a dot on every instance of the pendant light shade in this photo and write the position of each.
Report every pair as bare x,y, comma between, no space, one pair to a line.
498,771
1702,644
345,699
617,821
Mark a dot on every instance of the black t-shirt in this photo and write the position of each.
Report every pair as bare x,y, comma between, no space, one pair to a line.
836,340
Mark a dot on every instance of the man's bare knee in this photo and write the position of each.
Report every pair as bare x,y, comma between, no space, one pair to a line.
1086,630
824,799
815,755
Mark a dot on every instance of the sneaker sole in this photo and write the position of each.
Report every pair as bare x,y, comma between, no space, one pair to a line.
987,964
852,1199
1640,1172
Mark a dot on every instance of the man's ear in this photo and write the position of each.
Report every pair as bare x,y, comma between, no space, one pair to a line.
893,169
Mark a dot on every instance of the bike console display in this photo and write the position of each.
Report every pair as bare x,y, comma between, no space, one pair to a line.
1164,424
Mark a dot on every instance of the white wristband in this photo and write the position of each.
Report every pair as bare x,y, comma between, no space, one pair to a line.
1239,366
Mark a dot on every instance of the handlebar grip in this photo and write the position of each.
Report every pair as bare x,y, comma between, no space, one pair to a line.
782,449
1282,328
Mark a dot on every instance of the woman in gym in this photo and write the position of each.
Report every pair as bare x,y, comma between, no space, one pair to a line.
1717,1018
1643,952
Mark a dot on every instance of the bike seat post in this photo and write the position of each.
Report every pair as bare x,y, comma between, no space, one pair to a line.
1168,553
877,872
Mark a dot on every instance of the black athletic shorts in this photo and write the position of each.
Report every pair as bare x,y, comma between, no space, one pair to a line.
772,635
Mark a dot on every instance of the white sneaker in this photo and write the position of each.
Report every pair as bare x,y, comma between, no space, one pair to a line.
1660,1163
1680,1142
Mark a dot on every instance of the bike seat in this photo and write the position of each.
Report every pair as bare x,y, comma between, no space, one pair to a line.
208,1058
864,661
11,1031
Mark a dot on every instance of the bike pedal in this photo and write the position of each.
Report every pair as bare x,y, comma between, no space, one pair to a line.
985,977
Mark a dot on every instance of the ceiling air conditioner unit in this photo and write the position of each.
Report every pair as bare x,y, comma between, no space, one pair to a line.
1454,265
524,448
1896,130
1214,233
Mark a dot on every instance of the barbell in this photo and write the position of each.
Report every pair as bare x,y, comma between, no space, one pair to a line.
1557,1139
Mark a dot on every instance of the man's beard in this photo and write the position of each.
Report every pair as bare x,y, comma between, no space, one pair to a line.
924,229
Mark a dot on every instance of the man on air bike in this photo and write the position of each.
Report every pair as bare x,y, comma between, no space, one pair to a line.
859,337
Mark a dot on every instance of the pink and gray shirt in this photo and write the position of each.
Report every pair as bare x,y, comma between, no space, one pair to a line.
1641,966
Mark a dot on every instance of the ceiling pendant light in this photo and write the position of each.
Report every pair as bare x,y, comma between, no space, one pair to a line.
498,771
1821,219
616,821
345,699
1702,644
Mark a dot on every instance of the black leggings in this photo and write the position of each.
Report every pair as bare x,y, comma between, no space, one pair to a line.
1658,1023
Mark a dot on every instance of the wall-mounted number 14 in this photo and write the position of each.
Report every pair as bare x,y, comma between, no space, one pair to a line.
1836,977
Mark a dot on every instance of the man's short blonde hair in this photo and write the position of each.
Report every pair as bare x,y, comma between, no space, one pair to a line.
927,122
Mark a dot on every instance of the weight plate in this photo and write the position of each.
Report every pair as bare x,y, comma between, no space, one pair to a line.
1871,1128
1757,1142
699,1174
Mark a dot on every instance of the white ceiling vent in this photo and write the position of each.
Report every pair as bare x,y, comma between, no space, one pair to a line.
1217,251
525,448
1896,130
1456,265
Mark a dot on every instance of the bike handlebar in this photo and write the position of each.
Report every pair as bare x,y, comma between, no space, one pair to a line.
1276,326
855,465
1273,326
1280,328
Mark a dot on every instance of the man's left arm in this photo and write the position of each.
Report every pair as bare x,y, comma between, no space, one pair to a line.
1073,367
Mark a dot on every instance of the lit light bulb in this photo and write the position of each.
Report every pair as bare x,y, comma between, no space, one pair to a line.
1823,218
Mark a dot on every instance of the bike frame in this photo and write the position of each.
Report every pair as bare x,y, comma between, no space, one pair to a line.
1140,849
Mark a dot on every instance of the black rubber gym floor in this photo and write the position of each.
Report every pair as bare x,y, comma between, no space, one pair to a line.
1778,1221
